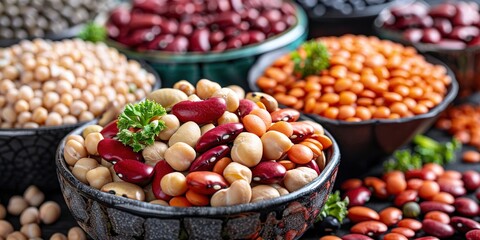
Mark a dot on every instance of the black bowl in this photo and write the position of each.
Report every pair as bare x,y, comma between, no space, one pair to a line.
106,216
27,155
366,143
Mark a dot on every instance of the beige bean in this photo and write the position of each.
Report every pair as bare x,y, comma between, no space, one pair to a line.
31,230
3,212
275,145
185,86
91,142
174,184
154,153
124,189
321,161
91,129
263,192
299,177
17,235
180,156
49,212
30,215
228,117
236,171
231,98
207,127
188,133
76,137
239,192
159,202
149,196
114,175
206,88
238,90
172,124
105,163
6,228
58,236
74,151
82,167
247,149
194,97
76,233
317,126
167,97
16,205
281,190
270,102
98,177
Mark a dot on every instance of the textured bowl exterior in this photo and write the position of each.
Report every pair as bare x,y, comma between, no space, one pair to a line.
105,216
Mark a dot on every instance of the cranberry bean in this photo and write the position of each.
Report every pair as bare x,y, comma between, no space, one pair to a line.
160,170
438,216
390,216
201,112
406,196
407,232
437,229
204,182
471,179
114,151
429,206
268,172
464,225
358,196
369,228
410,223
473,235
133,171
466,207
355,236
360,214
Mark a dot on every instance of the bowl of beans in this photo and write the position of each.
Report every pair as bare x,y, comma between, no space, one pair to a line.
54,20
216,39
214,171
50,88
374,96
448,31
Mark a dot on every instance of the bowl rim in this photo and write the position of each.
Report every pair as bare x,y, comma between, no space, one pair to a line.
452,91
156,210
8,132
275,42
420,46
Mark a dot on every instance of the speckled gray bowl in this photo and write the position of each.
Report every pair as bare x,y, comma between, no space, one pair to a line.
106,216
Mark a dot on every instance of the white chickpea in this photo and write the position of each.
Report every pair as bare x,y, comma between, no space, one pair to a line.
5,85
12,95
86,116
97,107
39,115
53,119
80,83
42,73
69,119
35,103
49,86
78,107
27,77
30,125
3,101
87,96
10,72
9,115
66,98
24,117
63,86
76,93
21,106
50,99
25,92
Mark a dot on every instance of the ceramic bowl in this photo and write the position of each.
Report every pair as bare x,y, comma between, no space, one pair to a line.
106,216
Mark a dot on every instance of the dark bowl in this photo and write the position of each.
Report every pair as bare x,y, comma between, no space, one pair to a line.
366,143
227,68
27,155
106,216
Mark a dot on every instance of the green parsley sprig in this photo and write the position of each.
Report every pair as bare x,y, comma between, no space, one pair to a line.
138,124
334,207
316,59
93,32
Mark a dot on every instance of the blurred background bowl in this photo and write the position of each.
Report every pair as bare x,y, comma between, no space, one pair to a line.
366,143
227,68
106,216
28,155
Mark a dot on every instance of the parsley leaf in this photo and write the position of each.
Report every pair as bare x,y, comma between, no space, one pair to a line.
334,207
315,59
93,32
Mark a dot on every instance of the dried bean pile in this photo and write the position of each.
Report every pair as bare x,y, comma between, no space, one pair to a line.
44,83
338,8
33,212
453,25
429,203
368,78
463,122
220,147
199,26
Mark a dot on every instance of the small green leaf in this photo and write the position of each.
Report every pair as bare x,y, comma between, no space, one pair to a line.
93,32
316,60
335,207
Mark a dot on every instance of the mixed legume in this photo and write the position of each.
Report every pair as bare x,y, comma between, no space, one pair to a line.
45,83
201,161
368,78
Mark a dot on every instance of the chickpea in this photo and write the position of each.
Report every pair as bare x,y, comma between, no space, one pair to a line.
239,192
74,151
82,166
34,196
98,177
154,153
5,228
58,236
299,177
263,192
91,142
3,212
30,215
180,155
247,149
53,119
228,117
17,235
174,184
49,212
16,205
236,171
207,127
172,124
40,115
188,133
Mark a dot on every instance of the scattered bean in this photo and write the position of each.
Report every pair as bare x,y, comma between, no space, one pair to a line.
49,212
5,228
33,196
30,215
16,205
437,229
31,230
390,216
76,233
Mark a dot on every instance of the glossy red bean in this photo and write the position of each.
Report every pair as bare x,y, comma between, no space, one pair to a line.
199,41
229,18
179,44
358,196
216,37
285,114
464,33
110,130
473,235
410,223
437,229
268,172
161,42
413,35
256,36
201,112
471,179
394,236
390,216
431,35
465,15
356,236
406,196
143,20
466,207
219,135
369,228
234,43
313,165
114,151
205,182
452,188
160,170
351,183
443,25
301,131
407,232
443,10
245,107
427,238
429,206
133,171
359,214
207,160
185,29
120,16
423,174
463,224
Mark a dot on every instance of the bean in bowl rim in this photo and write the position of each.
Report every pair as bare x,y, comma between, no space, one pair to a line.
155,210
266,60
274,42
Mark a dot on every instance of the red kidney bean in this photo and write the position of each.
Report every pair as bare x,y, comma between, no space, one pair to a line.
231,32
205,182
185,29
390,216
473,235
179,44
133,171
355,236
279,27
150,6
199,40
406,196
120,16
201,112
207,160
463,224
437,229
443,25
313,165
139,36
407,232
225,19
234,43
412,10
423,174
360,214
144,20
110,130
216,37
255,36
161,42
471,179
114,151
394,236
244,26
268,172
464,33
160,170
285,114
465,15
272,15
443,10
466,207
410,223
413,35
170,26
245,107
301,131
369,228
351,183
358,196
477,194
427,238
429,206
261,23
378,185
452,188
219,135
220,47
438,216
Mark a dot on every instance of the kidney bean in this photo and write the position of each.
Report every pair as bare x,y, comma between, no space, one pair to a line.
406,196
285,114
360,214
452,188
465,15
143,20
255,36
114,151
477,194
471,179
301,131
110,130
394,236
473,235
452,174
464,33
178,44
358,196
466,207
437,229
428,206
423,174
199,40
410,223
355,236
443,10
160,170
204,182
369,228
268,172
222,134
390,216
451,44
413,35
414,184
428,189
120,16
245,107
396,184
351,183
427,238
185,29
443,197
201,112
225,19
133,171
443,25
216,37
463,224
471,156
407,232
438,216
234,43
207,160
378,185
313,165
